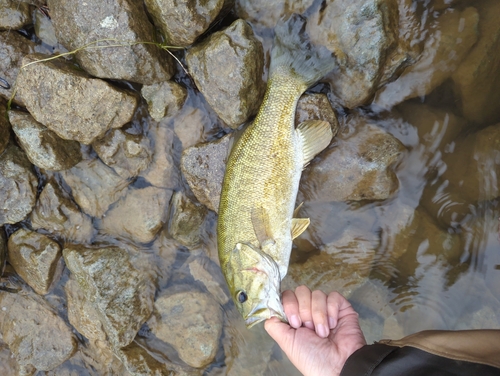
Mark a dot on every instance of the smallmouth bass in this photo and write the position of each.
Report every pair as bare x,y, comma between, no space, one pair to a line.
255,226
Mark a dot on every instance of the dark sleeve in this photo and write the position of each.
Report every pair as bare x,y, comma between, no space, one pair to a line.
430,353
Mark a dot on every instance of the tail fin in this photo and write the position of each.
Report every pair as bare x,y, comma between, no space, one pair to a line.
292,48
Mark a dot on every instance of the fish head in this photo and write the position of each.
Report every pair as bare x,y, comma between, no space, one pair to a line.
255,284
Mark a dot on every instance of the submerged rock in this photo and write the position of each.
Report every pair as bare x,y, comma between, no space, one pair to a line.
34,333
264,13
186,219
182,22
42,146
71,103
373,41
477,79
18,185
126,153
80,23
124,300
138,216
451,38
13,48
4,127
162,172
57,214
164,99
14,15
94,186
192,323
234,96
358,168
34,257
203,167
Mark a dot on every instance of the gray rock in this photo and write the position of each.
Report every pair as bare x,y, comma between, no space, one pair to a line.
316,107
126,153
13,48
453,35
70,102
227,68
358,168
139,216
56,213
182,22
193,122
476,80
18,185
164,99
124,300
4,127
42,146
44,29
264,13
78,24
94,186
8,364
203,167
192,323
34,333
34,257
162,172
14,15
209,275
3,250
372,41
186,220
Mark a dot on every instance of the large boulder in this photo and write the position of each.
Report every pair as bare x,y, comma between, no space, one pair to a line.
124,22
70,102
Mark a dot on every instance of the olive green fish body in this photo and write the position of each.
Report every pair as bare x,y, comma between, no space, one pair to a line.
256,226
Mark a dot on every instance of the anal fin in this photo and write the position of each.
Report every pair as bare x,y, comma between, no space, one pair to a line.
315,135
299,225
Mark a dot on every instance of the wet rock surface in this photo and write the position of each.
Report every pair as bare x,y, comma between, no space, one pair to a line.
182,23
43,147
164,98
14,15
192,323
122,300
94,186
365,37
443,52
125,152
162,172
18,185
57,214
34,257
36,336
264,13
316,107
203,167
139,216
186,219
358,168
71,103
237,95
13,48
476,79
4,127
123,21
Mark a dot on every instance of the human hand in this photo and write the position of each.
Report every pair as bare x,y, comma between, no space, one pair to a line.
323,331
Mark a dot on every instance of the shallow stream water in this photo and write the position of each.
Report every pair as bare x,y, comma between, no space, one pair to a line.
427,258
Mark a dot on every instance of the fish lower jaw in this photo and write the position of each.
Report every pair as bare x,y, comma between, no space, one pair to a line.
262,315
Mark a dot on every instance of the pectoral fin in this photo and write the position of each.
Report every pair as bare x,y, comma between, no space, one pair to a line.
314,135
260,222
299,225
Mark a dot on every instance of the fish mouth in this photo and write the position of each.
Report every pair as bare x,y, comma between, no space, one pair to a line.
264,311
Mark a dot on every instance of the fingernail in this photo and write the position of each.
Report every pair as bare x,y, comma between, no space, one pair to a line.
295,321
331,322
309,325
322,331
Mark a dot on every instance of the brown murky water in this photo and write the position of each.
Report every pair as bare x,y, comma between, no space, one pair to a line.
428,258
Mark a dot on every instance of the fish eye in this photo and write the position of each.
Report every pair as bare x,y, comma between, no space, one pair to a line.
241,296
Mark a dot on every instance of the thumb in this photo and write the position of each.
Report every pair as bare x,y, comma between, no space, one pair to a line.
281,332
